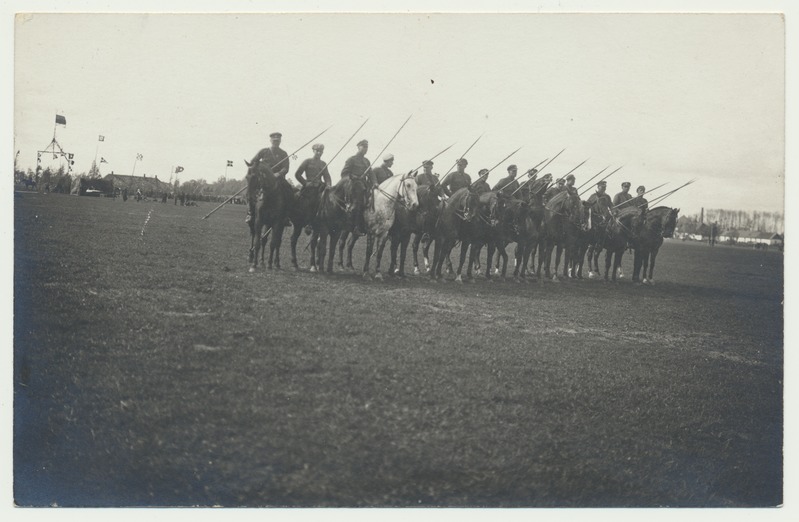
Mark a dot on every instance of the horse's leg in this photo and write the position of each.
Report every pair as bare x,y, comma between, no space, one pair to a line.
392,266
406,238
381,244
295,235
340,245
350,245
491,249
637,262
462,259
608,259
426,252
274,245
335,239
436,254
417,238
314,245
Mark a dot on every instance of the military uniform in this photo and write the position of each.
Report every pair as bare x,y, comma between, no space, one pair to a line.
426,179
456,181
600,202
620,199
315,170
552,192
507,186
480,186
379,174
355,166
275,161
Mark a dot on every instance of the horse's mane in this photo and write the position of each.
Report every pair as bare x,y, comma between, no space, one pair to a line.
627,212
537,185
485,197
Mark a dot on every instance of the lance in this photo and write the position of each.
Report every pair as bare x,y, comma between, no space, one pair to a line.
431,159
228,200
529,178
498,164
592,177
387,144
660,199
638,197
542,168
606,177
327,167
459,157
572,170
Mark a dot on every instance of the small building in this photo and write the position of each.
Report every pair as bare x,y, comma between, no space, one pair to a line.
150,187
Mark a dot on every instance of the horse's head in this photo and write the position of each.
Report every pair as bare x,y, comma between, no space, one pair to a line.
573,207
407,192
670,222
491,206
466,204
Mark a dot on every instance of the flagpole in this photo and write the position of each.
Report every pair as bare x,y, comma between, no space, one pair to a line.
134,165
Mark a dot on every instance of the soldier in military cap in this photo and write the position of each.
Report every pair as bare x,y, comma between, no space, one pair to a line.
480,186
270,159
600,201
458,179
508,185
314,169
639,200
357,165
620,200
526,185
273,158
570,179
427,177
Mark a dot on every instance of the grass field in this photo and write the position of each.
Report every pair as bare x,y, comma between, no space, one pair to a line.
153,369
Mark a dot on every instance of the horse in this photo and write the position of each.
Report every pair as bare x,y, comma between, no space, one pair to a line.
658,223
269,199
618,233
487,229
419,222
338,207
399,189
424,222
305,213
451,226
561,213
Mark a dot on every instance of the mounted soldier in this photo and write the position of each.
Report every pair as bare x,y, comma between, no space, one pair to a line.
508,185
481,186
272,160
378,175
356,166
600,201
554,190
458,179
427,177
314,169
620,200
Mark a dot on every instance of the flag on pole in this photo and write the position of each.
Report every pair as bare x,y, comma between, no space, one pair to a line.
139,157
101,138
229,163
178,169
102,160
60,119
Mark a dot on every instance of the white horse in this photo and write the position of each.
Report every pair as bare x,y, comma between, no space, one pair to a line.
399,189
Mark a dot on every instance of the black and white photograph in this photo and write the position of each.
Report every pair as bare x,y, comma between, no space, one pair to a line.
401,255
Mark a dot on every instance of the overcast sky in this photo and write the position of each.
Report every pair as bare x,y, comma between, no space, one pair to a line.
671,97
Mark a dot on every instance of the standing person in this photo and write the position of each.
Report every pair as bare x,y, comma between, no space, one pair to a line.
357,165
620,199
481,185
507,185
456,180
427,177
125,194
314,169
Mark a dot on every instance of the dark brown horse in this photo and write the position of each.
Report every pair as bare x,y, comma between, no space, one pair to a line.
656,224
305,213
561,213
452,226
269,199
338,208
420,222
485,229
617,234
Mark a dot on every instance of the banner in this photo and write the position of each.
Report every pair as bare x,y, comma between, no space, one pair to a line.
229,163
60,119
102,160
101,138
178,170
139,157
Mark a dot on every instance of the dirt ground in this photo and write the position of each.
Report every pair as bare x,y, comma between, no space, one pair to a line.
150,368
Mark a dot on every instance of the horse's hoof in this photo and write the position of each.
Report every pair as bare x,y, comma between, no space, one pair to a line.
313,269
591,274
416,270
621,274
366,275
458,279
496,271
379,276
252,270
555,279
